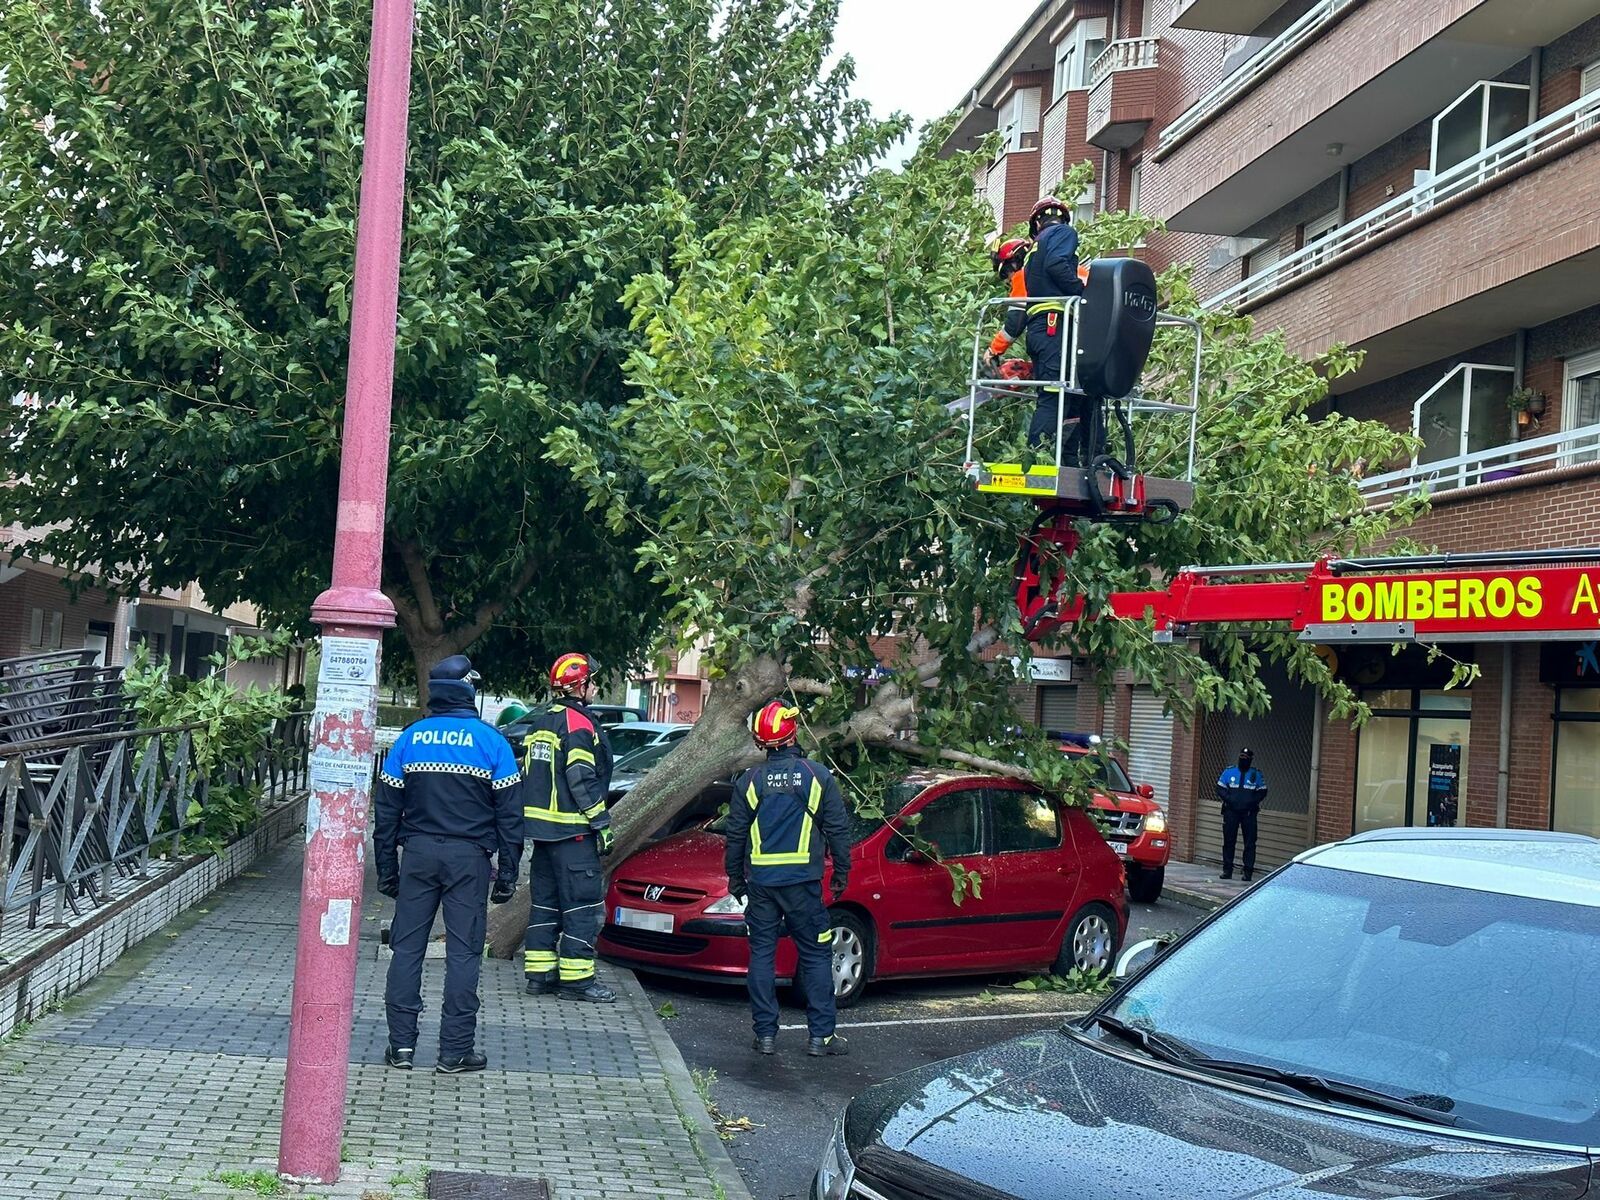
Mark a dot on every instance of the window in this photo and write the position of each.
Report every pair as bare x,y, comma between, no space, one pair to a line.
1316,231
44,629
1023,821
1262,259
1464,413
1575,788
953,823
1076,53
1083,207
1135,174
1484,114
1588,85
1580,405
1411,759
1022,120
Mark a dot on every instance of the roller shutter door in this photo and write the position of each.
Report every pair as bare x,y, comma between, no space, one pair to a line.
1150,744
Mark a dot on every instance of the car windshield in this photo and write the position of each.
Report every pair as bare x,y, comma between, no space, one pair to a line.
1476,1004
625,740
1106,772
641,761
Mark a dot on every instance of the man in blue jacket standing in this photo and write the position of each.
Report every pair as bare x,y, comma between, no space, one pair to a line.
448,793
1051,271
1242,789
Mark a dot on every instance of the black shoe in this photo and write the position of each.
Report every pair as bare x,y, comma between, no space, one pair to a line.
541,985
398,1057
1226,875
462,1065
594,993
832,1044
765,1045
1245,877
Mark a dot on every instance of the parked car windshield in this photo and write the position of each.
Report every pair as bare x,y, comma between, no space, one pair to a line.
641,761
1476,1004
1107,773
625,741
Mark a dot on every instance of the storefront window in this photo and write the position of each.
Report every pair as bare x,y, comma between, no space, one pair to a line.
1411,759
1575,806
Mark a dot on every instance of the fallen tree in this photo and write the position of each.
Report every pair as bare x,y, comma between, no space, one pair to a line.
794,481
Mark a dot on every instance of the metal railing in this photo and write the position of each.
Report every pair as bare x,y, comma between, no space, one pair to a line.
1575,121
80,813
1125,55
1258,67
1570,447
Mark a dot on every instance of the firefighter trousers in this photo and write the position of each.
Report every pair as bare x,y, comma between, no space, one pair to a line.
795,909
567,894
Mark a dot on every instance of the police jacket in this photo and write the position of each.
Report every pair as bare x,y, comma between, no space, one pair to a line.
449,775
780,815
1052,270
1241,789
567,763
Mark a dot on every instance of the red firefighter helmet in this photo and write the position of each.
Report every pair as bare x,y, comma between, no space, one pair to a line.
570,671
1010,252
777,724
1046,205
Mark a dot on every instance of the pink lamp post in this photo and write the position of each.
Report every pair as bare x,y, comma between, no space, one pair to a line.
353,614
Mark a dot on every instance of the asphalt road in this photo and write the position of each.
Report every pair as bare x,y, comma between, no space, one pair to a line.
794,1100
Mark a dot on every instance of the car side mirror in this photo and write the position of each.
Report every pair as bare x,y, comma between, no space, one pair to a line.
1137,957
1145,790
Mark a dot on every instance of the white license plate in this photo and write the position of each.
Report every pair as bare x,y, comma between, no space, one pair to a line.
1119,848
637,918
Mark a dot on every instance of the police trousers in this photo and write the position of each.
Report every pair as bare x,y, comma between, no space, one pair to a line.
567,894
1234,820
438,872
795,909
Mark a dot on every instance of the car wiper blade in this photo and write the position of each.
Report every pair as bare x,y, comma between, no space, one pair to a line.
1157,1045
1430,1108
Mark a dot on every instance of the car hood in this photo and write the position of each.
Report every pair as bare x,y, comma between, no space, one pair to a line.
1122,802
693,857
1044,1117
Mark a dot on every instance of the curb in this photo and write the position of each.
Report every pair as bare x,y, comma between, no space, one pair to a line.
1193,899
707,1144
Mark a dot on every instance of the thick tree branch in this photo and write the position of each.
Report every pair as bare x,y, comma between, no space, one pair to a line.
993,766
486,614
421,588
810,687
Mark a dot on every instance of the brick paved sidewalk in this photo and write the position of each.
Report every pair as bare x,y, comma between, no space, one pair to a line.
165,1078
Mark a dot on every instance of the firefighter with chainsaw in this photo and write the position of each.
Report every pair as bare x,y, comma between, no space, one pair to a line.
1008,260
1051,270
567,774
784,815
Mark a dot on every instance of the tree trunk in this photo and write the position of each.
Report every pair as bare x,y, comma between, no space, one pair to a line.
717,746
426,653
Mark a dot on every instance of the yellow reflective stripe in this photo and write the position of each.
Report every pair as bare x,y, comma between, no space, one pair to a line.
825,936
556,815
591,813
573,969
787,858
750,796
1045,306
539,962
580,756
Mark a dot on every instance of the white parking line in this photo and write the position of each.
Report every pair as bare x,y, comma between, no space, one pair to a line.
1021,1016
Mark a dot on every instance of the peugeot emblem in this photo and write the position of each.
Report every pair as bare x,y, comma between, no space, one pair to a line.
655,891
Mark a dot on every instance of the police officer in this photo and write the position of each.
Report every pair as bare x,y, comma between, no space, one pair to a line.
1242,789
1051,270
774,859
567,762
448,793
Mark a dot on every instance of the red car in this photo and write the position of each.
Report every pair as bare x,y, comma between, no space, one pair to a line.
1135,826
1052,893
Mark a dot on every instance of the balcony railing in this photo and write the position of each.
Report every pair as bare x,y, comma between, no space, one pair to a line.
1267,60
1576,121
1570,447
1125,55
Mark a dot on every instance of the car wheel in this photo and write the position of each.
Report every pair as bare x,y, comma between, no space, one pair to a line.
853,952
1144,885
1090,943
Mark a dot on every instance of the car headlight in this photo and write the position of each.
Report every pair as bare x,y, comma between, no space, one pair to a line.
1155,822
728,906
836,1171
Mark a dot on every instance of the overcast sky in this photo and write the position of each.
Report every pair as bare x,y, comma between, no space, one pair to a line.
922,56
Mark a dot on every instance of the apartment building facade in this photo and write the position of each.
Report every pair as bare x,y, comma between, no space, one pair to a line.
1419,180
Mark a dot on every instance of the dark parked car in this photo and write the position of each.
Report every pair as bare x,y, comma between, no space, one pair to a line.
1409,1013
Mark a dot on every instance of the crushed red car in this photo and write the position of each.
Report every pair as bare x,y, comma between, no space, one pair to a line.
1134,825
1051,893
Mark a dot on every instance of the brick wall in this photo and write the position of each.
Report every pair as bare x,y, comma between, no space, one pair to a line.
1564,61
34,589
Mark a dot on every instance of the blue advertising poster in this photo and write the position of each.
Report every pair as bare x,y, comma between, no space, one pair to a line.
1444,783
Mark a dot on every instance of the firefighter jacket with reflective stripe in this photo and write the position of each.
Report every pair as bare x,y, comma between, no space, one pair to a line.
1052,270
449,775
566,762
781,814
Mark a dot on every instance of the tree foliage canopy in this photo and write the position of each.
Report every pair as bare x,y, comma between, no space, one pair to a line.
178,184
